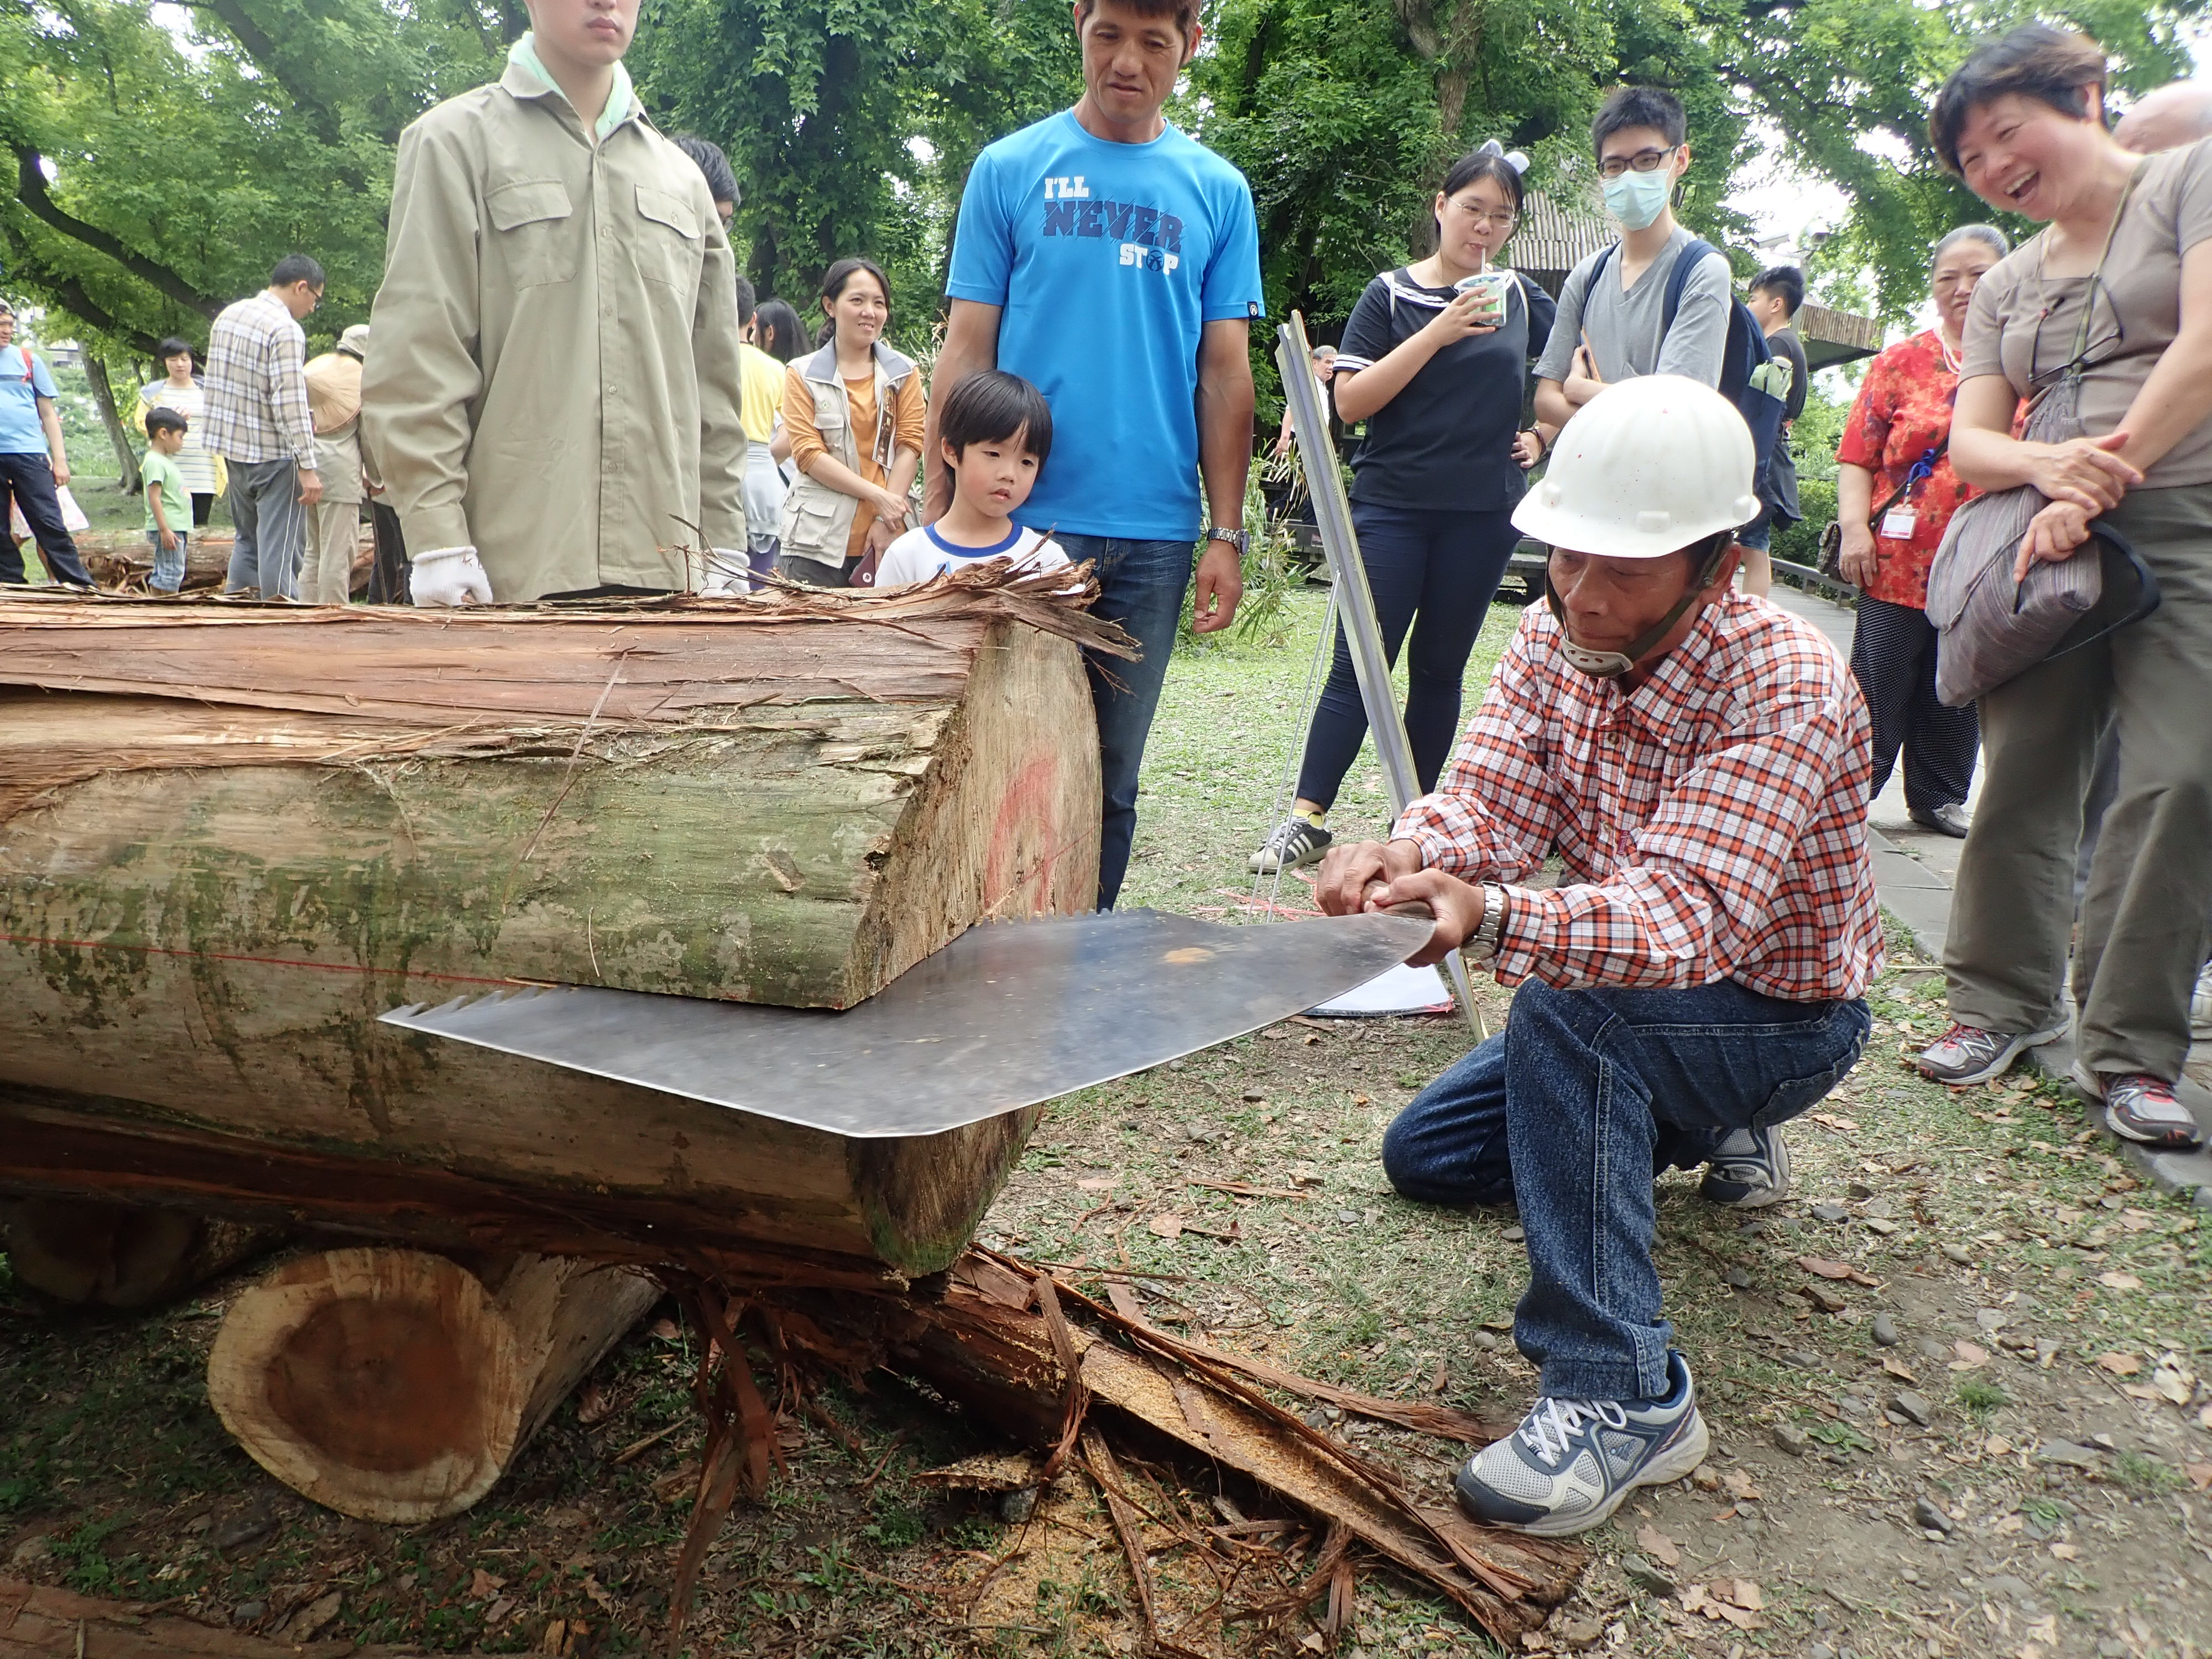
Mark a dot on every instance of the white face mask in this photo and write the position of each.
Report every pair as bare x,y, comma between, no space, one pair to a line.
1638,198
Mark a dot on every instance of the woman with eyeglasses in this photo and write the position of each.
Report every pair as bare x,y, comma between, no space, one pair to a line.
1895,493
1435,360
2110,305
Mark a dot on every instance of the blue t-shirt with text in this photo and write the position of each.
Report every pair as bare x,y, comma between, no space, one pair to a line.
1107,261
23,381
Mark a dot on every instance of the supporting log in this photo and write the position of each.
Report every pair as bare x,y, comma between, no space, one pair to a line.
124,1256
396,1386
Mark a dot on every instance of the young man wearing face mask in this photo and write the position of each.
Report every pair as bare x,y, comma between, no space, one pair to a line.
1699,760
1611,323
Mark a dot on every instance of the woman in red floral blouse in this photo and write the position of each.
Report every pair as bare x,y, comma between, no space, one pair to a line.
1895,493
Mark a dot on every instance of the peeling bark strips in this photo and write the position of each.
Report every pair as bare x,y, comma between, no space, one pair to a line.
231,836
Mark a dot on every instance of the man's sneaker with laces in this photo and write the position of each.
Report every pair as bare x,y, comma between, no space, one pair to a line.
2145,1110
1749,1171
1296,840
1571,1462
1967,1055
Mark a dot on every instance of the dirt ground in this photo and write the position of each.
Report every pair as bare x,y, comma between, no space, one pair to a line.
1954,1381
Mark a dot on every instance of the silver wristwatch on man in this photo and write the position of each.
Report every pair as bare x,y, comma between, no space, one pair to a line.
1239,539
1484,944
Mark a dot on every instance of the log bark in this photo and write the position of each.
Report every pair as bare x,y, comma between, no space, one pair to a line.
235,835
122,1256
43,1621
396,1386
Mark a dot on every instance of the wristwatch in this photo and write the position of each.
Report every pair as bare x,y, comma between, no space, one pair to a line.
1239,539
1484,944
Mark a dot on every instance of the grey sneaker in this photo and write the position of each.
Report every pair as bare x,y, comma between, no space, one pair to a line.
1967,1055
2200,1008
1749,1171
2145,1110
1296,841
1947,820
1571,1462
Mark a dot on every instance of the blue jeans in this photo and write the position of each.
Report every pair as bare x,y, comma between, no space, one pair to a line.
168,567
1435,570
1141,586
1572,1110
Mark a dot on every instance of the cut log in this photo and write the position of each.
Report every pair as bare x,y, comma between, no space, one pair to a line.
234,835
124,1257
396,1386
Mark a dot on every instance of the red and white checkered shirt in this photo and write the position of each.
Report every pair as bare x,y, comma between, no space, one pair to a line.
1712,822
256,384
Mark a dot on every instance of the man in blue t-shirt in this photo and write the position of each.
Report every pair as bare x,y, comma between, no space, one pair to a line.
1115,263
33,463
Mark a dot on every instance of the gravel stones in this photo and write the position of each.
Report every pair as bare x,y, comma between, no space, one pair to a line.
1831,1212
1929,1518
1826,1300
1652,1580
2066,1452
1802,1360
1913,1405
1738,1279
1884,1331
1789,1437
1960,1254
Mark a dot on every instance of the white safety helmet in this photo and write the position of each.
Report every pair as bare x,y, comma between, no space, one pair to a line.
1647,467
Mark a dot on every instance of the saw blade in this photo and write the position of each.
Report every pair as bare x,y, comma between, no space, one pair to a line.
1005,1015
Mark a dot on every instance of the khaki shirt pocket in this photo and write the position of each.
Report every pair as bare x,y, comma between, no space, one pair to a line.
670,247
531,230
810,524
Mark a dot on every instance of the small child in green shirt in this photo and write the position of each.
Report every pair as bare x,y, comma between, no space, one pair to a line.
168,499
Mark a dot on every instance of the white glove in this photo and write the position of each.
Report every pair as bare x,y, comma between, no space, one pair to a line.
448,576
728,571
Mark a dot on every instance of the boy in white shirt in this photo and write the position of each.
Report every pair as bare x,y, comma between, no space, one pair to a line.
996,430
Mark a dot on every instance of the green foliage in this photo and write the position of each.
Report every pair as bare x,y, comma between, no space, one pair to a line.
1800,543
851,123
182,171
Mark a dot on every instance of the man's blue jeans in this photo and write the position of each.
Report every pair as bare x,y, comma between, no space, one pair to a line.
1141,586
1571,1110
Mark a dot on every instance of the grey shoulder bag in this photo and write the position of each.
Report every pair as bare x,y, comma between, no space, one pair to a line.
1990,628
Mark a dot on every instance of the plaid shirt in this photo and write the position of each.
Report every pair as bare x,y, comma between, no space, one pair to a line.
1712,822
256,383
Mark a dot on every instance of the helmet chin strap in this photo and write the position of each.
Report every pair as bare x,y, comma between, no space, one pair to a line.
1612,665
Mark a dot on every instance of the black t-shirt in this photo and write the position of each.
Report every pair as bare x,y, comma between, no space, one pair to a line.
1784,342
1446,440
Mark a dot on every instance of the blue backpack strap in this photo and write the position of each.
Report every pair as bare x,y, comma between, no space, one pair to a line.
1685,266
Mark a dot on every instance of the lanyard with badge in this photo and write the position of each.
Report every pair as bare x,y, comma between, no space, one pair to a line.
1901,514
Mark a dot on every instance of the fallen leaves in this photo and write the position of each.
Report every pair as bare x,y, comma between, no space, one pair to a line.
1837,1270
1898,1367
2120,1364
2116,1281
1972,1356
1740,1486
2172,1380
2200,1476
484,1586
1168,1225
594,1405
1736,1601
1831,1121
1662,1549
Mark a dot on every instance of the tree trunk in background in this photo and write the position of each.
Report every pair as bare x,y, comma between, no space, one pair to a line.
103,393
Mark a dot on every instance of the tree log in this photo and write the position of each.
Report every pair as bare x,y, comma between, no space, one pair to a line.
396,1386
124,1257
234,836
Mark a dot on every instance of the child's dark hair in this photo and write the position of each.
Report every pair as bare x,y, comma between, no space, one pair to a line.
173,347
748,304
165,420
991,407
1639,107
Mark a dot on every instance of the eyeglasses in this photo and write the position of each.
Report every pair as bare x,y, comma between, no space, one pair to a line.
1494,219
1644,161
2093,343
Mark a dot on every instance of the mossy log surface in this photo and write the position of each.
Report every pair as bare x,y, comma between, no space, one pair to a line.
218,869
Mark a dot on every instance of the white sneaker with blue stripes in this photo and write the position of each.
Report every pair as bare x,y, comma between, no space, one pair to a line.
1571,1462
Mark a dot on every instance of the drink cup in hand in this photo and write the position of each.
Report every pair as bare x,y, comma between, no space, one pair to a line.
1489,289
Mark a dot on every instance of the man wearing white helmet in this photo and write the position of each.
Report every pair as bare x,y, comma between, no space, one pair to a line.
1699,760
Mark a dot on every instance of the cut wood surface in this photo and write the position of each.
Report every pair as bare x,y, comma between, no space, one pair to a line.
235,835
124,1257
396,1386
41,1621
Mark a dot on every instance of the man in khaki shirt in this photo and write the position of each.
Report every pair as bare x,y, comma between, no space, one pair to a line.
554,396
